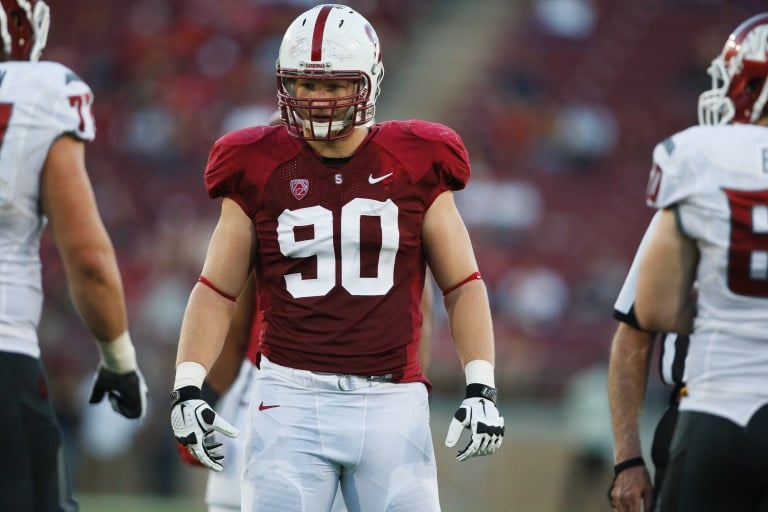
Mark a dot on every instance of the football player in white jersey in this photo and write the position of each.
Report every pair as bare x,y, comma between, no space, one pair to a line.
628,369
45,118
710,184
340,217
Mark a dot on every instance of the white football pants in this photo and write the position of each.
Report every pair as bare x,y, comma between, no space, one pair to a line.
310,432
222,493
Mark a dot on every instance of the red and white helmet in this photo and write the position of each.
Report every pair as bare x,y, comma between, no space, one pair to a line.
329,42
24,28
739,77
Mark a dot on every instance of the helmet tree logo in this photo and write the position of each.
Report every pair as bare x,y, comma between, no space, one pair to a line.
299,188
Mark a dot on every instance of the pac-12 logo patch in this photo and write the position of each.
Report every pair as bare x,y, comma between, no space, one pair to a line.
299,188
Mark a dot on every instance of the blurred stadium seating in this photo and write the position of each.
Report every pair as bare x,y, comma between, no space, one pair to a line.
560,103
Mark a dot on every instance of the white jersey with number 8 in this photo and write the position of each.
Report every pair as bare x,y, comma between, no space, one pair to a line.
717,178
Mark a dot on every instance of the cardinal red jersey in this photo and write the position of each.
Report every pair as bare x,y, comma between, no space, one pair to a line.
339,256
258,325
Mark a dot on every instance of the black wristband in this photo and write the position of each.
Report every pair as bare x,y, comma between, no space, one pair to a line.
209,394
618,468
184,393
481,391
629,463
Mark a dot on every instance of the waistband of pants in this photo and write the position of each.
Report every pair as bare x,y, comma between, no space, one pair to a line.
322,380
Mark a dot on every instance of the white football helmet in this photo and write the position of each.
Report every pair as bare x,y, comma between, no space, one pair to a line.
739,77
24,28
329,42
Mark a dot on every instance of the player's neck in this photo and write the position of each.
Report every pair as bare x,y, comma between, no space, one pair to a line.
340,148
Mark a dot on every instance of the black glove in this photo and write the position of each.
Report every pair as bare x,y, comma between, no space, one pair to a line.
127,391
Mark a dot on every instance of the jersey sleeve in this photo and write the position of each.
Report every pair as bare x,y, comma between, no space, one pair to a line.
450,158
71,102
453,161
624,307
672,177
224,173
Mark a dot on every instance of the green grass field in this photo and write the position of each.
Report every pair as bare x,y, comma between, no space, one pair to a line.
108,503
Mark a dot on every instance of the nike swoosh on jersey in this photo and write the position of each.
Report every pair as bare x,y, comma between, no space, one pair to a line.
373,180
263,407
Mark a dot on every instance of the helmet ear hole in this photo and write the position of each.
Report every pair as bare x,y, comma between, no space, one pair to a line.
754,85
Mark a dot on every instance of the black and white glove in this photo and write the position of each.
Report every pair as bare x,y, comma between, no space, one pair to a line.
194,423
478,414
127,392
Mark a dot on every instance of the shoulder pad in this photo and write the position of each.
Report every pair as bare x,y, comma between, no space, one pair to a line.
428,146
677,167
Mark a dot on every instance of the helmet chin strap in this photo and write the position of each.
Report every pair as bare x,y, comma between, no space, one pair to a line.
323,130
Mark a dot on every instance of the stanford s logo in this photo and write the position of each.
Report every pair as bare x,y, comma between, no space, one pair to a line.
299,188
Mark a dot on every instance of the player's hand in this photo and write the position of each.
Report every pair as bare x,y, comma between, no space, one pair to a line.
632,490
194,422
478,414
186,455
127,392
187,458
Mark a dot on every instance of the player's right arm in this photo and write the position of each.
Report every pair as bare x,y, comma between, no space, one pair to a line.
206,320
210,307
665,299
225,370
628,368
86,250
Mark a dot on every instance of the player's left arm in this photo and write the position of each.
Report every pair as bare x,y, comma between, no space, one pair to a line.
452,261
665,300
425,342
93,276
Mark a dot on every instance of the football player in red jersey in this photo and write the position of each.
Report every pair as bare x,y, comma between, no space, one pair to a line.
45,120
229,384
339,217
710,185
